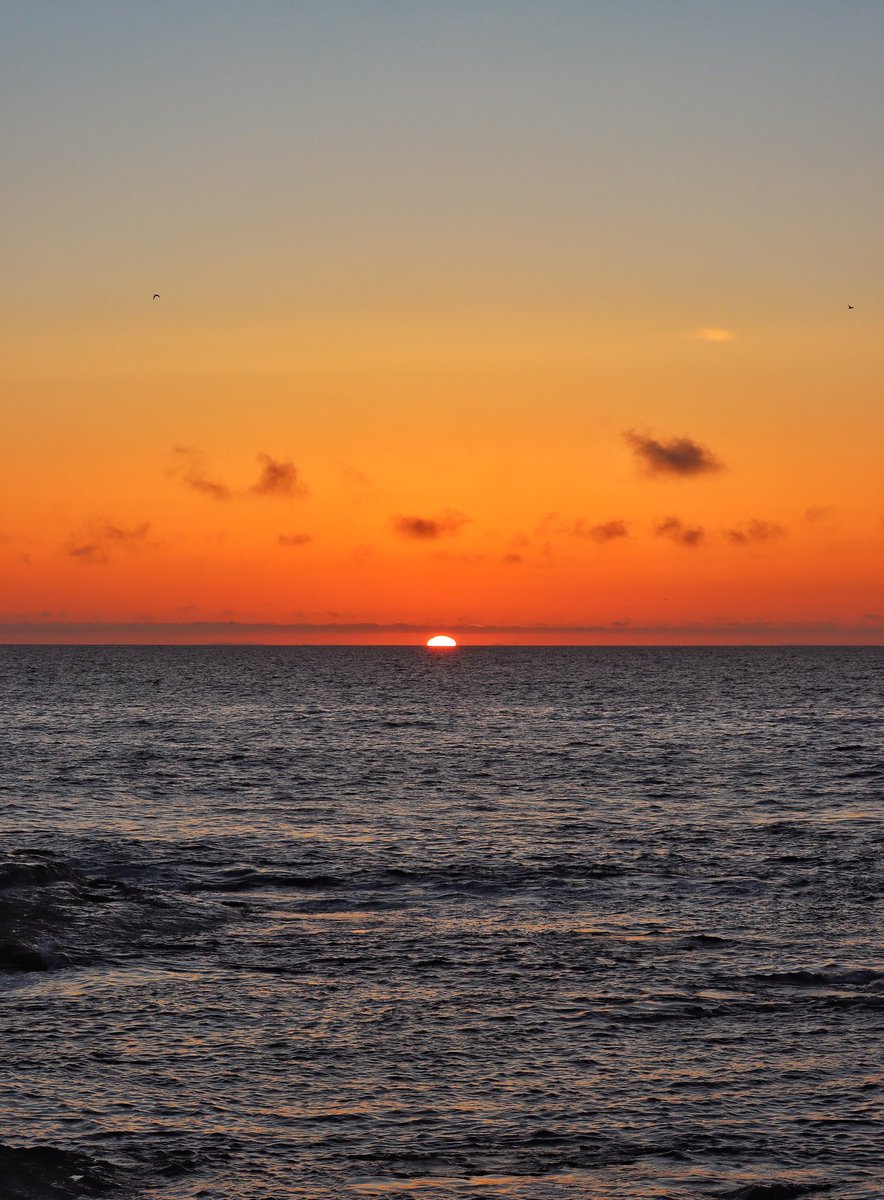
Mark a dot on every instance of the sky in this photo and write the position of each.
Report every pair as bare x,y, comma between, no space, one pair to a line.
523,321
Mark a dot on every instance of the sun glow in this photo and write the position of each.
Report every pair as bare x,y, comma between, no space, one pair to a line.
442,642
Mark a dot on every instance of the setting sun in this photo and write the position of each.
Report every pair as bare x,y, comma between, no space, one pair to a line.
442,641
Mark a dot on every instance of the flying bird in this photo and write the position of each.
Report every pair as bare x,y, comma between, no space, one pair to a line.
156,295
850,306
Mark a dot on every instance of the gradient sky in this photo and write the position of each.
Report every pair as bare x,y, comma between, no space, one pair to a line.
524,317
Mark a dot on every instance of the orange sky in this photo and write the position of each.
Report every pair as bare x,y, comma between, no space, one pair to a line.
482,345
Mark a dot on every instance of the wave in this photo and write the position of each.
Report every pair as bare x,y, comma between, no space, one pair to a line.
50,1173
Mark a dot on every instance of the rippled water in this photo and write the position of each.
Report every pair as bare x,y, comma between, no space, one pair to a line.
296,922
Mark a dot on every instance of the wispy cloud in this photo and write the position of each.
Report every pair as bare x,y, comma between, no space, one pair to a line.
713,334
294,539
89,553
277,477
815,514
190,468
428,529
607,531
94,548
680,456
677,531
754,530
552,525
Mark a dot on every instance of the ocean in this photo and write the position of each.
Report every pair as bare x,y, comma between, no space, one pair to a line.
318,922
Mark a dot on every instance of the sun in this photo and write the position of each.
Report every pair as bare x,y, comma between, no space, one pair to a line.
442,642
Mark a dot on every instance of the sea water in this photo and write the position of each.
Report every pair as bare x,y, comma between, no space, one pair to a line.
498,922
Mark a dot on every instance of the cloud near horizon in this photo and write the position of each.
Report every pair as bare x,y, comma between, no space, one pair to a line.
680,456
677,531
428,529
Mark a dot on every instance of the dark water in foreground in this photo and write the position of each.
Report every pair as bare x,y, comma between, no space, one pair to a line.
282,923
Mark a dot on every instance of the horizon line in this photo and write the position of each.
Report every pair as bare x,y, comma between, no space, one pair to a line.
868,631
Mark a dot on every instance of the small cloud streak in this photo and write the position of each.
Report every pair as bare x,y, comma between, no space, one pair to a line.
712,334
815,514
754,531
608,531
680,456
294,539
428,529
552,525
191,470
277,479
677,531
95,549
91,554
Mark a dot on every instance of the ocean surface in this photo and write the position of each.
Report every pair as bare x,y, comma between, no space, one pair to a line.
283,923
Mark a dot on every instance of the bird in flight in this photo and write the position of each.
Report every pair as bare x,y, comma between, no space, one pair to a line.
156,295
849,305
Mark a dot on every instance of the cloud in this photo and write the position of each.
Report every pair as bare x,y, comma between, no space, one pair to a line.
755,530
552,525
114,533
89,553
427,529
352,476
608,531
294,539
815,514
513,560
679,456
94,549
277,479
675,530
712,334
191,470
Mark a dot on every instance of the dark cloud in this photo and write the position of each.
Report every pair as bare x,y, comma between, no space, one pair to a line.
294,539
675,530
679,456
277,479
755,530
427,529
513,560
